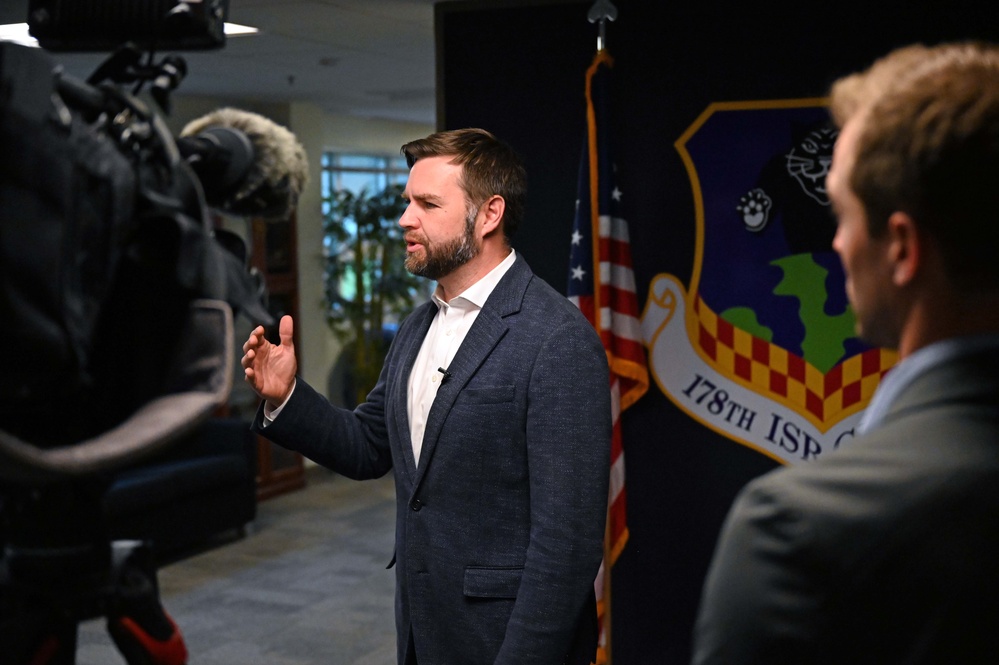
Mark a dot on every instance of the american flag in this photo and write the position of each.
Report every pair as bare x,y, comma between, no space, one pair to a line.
602,285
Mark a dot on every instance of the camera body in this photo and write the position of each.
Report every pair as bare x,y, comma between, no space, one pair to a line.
115,287
106,243
117,296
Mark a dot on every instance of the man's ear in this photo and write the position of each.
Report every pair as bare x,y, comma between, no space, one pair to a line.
905,248
492,213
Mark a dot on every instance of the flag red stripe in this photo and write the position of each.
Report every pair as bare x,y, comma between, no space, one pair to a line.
622,302
623,349
616,251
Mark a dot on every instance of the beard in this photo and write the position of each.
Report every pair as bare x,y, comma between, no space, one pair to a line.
440,259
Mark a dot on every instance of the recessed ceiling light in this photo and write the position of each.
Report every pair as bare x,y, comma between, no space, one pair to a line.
237,30
18,32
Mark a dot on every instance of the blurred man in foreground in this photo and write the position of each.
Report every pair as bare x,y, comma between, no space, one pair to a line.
886,551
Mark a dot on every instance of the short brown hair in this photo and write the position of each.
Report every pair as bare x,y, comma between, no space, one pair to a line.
929,146
489,166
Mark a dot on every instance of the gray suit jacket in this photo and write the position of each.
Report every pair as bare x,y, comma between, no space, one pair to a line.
886,551
499,530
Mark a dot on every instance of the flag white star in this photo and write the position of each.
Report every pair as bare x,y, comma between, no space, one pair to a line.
578,272
576,237
616,194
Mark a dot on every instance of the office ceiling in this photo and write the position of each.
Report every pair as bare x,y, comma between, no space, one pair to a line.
367,58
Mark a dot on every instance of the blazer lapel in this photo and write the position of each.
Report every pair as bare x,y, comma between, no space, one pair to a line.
399,401
488,329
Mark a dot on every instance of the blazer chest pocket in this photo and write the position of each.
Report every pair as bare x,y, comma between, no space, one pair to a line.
491,395
483,582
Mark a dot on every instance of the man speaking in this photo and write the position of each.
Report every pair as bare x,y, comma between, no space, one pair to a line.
493,412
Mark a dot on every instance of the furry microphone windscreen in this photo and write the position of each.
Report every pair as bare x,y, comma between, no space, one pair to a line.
279,168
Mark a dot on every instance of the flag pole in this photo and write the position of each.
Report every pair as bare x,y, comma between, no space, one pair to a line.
601,284
601,12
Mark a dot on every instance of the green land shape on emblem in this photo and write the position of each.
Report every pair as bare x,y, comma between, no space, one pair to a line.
744,318
805,280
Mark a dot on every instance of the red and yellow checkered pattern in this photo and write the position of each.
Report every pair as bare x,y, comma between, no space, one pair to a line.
772,370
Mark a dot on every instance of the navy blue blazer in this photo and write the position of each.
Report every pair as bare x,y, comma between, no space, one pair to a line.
499,529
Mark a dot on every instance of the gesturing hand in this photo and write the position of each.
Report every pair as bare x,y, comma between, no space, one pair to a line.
270,368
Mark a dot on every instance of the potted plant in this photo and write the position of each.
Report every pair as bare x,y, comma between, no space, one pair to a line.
367,286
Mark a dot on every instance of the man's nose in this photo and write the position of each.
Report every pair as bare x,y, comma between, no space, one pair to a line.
408,219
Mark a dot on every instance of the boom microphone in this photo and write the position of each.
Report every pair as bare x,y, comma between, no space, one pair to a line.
249,165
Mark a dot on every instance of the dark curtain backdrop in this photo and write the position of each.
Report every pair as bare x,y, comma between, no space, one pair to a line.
517,69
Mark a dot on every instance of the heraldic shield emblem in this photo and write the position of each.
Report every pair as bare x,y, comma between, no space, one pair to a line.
761,346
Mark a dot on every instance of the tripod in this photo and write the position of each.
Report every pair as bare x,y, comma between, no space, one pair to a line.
58,570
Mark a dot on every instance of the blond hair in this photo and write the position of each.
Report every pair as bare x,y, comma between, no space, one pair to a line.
928,145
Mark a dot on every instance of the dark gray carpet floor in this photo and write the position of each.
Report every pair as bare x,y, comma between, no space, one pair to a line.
308,585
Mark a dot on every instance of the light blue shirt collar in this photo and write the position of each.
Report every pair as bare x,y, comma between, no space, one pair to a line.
915,365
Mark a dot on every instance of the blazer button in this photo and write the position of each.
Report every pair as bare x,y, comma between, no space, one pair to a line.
416,505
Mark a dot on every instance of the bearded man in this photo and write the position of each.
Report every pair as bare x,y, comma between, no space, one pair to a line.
493,412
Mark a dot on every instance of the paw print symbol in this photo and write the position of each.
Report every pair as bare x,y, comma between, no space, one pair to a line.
755,209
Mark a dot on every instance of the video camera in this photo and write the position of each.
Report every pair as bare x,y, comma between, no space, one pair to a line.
117,294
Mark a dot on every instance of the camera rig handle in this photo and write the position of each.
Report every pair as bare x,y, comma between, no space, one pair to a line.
201,383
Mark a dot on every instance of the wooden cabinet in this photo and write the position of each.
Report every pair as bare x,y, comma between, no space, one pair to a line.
274,254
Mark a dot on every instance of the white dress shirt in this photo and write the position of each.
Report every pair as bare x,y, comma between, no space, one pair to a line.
447,331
